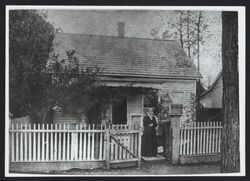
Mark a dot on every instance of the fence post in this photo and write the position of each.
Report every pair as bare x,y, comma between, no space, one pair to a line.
107,147
175,124
139,147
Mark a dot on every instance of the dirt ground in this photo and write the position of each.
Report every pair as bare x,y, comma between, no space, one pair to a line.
163,168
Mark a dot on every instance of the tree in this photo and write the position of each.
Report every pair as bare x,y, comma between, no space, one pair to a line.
189,30
200,27
188,33
230,133
30,42
75,87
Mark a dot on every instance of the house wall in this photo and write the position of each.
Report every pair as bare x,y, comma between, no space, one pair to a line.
179,91
60,118
213,99
134,107
21,120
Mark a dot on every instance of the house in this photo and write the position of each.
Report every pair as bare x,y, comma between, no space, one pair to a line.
134,63
211,101
212,98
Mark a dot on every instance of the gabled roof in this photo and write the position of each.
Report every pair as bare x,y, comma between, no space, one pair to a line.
213,84
128,56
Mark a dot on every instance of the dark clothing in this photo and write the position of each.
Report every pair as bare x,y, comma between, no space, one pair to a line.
149,143
164,122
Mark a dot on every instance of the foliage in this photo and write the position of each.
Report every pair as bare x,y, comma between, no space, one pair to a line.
191,111
30,42
74,87
36,85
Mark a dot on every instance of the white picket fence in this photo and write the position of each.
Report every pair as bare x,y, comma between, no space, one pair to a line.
200,138
65,142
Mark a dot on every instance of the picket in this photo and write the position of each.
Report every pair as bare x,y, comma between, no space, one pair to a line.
59,143
47,144
216,137
12,144
80,143
43,144
88,151
64,143
55,145
30,147
195,137
219,142
21,144
17,145
34,143
68,143
92,143
38,143
199,138
100,148
84,143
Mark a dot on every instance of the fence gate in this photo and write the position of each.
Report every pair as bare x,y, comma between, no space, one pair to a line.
124,146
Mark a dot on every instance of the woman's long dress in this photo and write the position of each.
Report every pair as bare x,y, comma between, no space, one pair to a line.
149,143
165,137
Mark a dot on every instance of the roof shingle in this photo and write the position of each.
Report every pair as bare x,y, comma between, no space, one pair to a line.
127,56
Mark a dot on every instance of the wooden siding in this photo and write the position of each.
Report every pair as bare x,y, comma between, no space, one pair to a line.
179,91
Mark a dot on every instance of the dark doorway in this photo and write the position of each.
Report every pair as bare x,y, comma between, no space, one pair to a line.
119,110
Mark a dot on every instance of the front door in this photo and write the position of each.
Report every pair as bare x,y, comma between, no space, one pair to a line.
119,110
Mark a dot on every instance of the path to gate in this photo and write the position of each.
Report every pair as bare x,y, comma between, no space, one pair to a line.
65,146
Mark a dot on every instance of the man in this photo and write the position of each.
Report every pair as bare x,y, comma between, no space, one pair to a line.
164,123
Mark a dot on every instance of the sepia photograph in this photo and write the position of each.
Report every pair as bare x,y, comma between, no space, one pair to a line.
125,91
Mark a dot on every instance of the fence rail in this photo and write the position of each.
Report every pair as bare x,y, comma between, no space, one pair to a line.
65,142
200,138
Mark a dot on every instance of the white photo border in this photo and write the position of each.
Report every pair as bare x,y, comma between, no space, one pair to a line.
242,76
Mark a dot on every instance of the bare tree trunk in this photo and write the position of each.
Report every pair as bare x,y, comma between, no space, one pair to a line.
230,133
198,39
188,34
181,30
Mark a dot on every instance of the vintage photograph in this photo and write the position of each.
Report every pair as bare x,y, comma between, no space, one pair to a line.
124,91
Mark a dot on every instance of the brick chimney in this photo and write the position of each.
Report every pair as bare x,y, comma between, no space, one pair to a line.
121,29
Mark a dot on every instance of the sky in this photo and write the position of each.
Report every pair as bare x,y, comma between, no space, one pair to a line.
139,23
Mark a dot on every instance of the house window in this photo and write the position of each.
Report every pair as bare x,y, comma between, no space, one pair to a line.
119,110
177,103
176,109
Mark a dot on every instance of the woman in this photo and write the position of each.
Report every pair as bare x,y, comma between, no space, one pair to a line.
164,122
149,144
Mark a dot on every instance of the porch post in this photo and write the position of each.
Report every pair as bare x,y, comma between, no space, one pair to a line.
175,125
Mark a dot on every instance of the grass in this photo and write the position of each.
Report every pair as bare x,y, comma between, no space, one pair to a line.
163,168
